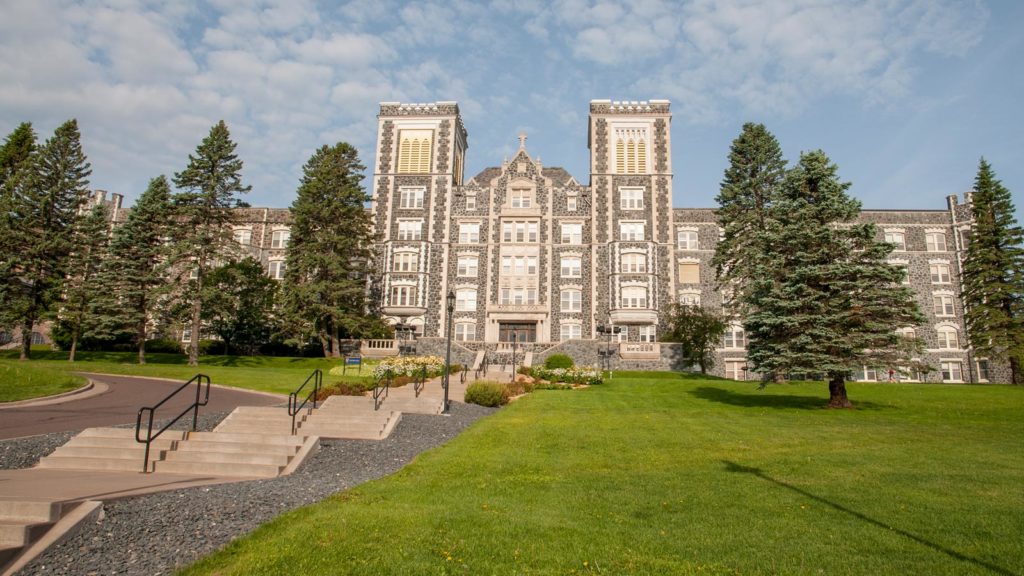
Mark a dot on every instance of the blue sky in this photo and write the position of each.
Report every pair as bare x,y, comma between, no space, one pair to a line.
904,95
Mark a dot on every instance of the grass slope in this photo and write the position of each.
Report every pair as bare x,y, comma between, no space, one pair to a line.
264,373
685,476
22,381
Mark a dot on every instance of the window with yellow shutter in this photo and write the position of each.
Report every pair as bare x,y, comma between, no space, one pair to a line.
689,273
414,151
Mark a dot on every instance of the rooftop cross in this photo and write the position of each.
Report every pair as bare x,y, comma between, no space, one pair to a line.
522,140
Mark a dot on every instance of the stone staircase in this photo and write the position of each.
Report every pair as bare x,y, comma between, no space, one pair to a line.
23,521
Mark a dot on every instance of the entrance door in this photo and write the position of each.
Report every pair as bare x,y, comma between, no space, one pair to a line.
524,331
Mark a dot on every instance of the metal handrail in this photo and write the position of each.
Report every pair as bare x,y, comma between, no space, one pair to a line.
380,388
462,373
420,381
293,399
482,368
194,408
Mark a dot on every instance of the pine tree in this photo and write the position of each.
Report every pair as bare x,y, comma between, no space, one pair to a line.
16,157
993,275
835,303
328,257
239,304
135,271
210,185
17,148
44,199
89,251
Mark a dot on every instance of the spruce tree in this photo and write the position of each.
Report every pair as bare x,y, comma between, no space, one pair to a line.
16,157
210,186
81,290
328,257
17,148
993,275
44,200
135,270
834,304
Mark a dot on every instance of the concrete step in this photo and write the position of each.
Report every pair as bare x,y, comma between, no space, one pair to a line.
83,463
7,553
265,438
127,433
213,456
253,428
218,469
349,433
13,533
106,442
133,453
236,447
30,510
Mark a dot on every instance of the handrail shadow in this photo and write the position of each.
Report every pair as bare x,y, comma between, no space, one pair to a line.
739,468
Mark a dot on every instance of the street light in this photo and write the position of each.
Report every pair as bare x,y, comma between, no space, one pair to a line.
607,355
515,337
403,332
448,353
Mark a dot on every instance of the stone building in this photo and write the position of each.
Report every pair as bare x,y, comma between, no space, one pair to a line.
531,254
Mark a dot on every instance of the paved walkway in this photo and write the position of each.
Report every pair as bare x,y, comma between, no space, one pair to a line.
119,404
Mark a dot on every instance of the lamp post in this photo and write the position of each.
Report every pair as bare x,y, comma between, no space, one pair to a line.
515,337
402,331
607,352
448,353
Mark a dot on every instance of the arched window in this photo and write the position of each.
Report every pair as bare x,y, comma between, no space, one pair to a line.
948,337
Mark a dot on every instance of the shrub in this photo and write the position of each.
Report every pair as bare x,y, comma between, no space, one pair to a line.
485,393
518,388
575,375
344,389
559,361
208,347
163,346
410,366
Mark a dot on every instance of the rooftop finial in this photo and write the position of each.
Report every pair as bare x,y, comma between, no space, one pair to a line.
522,140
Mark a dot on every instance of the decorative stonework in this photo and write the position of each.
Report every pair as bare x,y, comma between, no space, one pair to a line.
661,145
443,145
630,108
423,109
601,146
387,144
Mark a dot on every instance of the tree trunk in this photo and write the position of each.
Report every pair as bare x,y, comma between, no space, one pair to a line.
193,345
837,392
140,339
1015,376
26,335
74,342
335,345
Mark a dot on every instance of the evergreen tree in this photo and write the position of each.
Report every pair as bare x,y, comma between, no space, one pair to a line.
699,330
209,188
834,304
993,275
239,305
17,149
328,257
44,200
89,251
16,157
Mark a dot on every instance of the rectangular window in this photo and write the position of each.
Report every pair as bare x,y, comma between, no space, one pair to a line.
468,266
734,337
689,299
983,375
736,369
411,198
570,332
689,273
572,233
465,300
687,240
276,269
186,335
243,236
631,231
518,296
406,262
279,238
572,267
951,372
570,204
897,240
521,198
942,305
634,297
519,232
633,263
414,151
572,301
410,230
465,331
948,339
469,233
940,273
471,202
647,334
631,198
935,241
519,265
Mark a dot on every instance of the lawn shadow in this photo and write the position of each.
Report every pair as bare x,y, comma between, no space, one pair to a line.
763,399
739,468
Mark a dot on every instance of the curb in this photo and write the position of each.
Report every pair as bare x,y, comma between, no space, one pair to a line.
89,390
212,385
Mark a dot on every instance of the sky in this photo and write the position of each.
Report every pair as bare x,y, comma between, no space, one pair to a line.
904,96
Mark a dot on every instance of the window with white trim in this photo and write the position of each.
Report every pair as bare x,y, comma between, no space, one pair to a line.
689,273
942,305
571,267
570,204
630,150
572,233
517,296
465,299
691,299
519,231
734,337
952,371
935,241
686,240
736,369
897,239
939,273
570,332
521,197
186,335
403,295
634,297
411,198
471,202
631,231
631,198
279,238
465,331
948,338
406,262
572,300
469,233
634,263
410,230
468,266
276,269
983,369
519,265
243,236
647,334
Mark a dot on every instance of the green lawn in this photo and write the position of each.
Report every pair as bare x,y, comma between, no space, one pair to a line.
264,373
21,381
685,476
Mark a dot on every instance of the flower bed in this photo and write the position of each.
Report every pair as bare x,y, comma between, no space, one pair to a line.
574,375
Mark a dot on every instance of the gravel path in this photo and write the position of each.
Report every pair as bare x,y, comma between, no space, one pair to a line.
154,534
